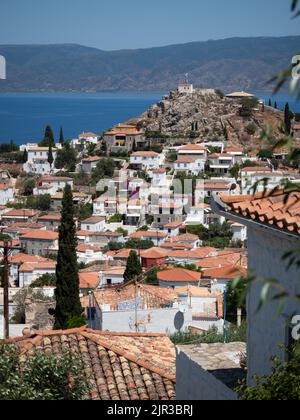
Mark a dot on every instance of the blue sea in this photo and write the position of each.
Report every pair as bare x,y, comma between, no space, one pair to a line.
23,117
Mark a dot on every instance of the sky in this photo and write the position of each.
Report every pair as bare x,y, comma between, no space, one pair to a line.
122,24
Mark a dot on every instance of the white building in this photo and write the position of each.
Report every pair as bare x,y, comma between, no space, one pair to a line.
111,277
202,214
30,272
37,162
189,165
185,88
39,242
7,194
273,230
88,254
146,160
221,163
88,137
94,223
90,163
193,151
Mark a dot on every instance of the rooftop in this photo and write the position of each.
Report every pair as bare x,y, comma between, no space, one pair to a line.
179,275
118,366
221,360
279,209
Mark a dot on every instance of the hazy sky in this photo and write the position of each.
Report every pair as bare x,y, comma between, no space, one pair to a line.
117,24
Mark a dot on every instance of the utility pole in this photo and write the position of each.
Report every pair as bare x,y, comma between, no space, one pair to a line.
5,283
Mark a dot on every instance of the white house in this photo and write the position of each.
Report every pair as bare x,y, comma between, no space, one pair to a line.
88,254
30,272
90,163
108,206
256,178
111,277
159,177
239,232
37,162
185,88
39,242
172,228
16,261
202,214
189,165
146,160
94,223
58,183
88,137
193,151
7,193
221,163
273,224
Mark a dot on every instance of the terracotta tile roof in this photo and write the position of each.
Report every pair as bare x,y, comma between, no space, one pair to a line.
32,266
142,154
148,234
87,135
117,271
153,297
154,253
118,366
121,254
193,254
92,159
25,258
51,217
88,280
21,213
184,160
45,235
5,187
229,272
173,245
185,237
220,155
195,291
159,171
179,275
49,179
173,225
193,147
84,248
274,209
256,169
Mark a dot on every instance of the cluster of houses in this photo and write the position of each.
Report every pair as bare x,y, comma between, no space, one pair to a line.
149,200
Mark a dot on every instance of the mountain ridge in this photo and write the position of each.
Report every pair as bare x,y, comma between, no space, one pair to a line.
228,64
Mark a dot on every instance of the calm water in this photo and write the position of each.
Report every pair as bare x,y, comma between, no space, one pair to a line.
23,117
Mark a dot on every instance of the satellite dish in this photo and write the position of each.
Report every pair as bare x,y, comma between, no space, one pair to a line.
179,321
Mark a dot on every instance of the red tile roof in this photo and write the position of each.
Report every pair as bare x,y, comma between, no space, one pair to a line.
179,275
229,272
257,169
154,253
184,160
280,209
25,258
118,366
45,235
20,213
88,280
145,154
147,234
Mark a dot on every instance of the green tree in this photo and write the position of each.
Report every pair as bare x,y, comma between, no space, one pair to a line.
50,155
275,105
29,186
68,304
270,102
104,169
151,276
25,156
288,115
235,171
133,267
40,376
282,385
61,136
46,280
48,138
66,158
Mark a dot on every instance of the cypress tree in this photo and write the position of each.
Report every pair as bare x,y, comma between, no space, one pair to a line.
133,268
61,136
25,156
275,105
68,311
50,155
270,102
287,118
48,137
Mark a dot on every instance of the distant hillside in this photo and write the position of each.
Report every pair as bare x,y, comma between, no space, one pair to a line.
237,63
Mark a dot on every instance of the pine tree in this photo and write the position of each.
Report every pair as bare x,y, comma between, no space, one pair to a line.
133,268
61,136
50,155
287,118
68,311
